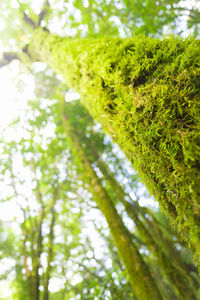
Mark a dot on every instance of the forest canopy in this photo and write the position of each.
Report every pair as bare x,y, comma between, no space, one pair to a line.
104,99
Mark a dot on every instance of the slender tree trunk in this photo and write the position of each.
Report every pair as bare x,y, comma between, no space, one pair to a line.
140,277
29,275
36,259
145,92
50,249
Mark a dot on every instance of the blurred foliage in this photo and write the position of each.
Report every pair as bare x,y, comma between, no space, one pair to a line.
92,18
128,17
46,167
46,172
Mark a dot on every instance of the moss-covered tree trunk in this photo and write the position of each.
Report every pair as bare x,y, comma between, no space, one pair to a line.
146,94
139,275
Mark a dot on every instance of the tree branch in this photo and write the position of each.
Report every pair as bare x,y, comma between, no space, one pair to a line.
43,12
29,21
8,57
41,15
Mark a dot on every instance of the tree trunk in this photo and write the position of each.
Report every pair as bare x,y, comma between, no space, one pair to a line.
50,249
29,275
145,92
36,257
36,262
139,274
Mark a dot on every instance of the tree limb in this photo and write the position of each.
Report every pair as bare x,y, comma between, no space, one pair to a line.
43,12
8,57
41,15
29,21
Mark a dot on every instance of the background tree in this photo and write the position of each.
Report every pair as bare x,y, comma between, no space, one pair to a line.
157,245
50,236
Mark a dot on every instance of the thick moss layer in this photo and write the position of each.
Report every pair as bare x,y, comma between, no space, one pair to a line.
146,93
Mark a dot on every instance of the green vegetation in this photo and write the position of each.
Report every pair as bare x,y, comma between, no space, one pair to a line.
146,97
81,224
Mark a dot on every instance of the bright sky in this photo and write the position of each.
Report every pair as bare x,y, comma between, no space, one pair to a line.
16,89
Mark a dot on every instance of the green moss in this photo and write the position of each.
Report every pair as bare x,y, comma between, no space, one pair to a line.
146,93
